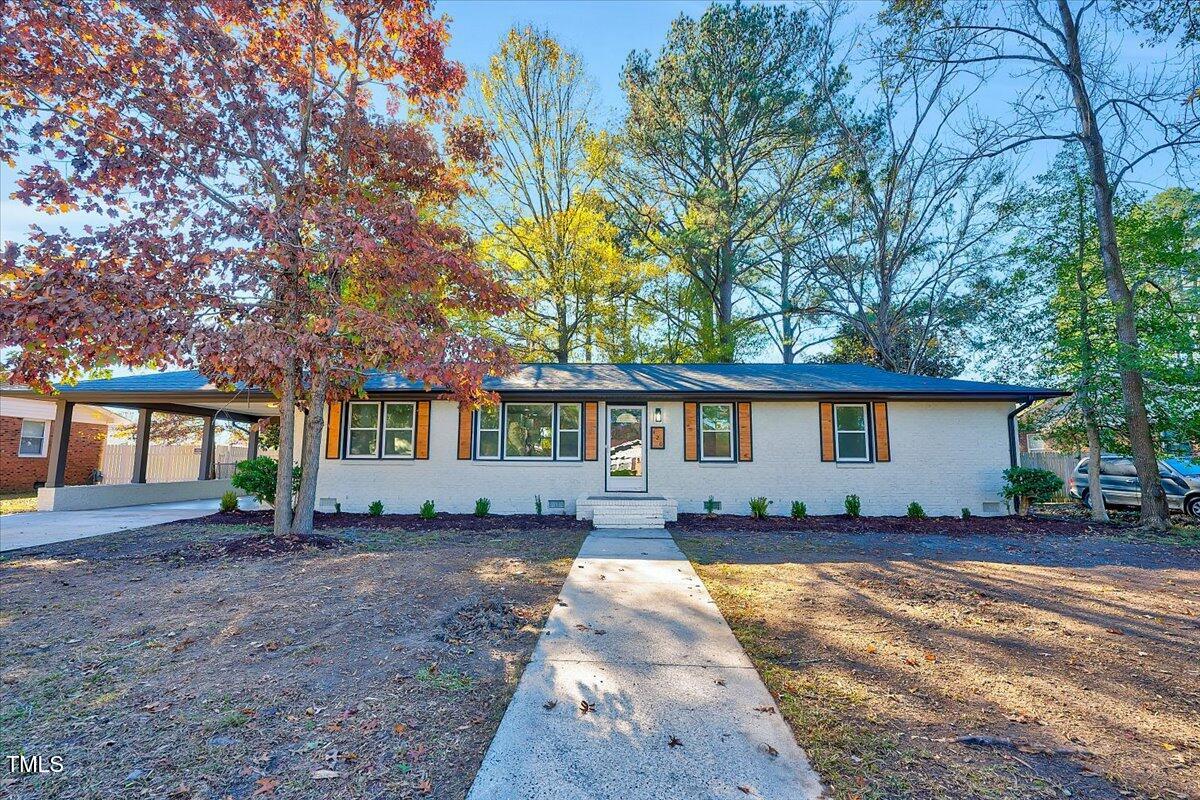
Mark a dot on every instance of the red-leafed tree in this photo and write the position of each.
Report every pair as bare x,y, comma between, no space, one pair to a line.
278,210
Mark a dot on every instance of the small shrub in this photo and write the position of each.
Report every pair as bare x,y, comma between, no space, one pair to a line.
759,506
799,509
710,506
482,507
256,477
337,507
966,513
375,509
537,504
915,511
1029,485
427,510
853,505
229,502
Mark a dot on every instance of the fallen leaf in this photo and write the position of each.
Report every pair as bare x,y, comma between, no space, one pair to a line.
674,742
325,774
872,648
265,786
399,728
585,707
930,657
765,709
1169,746
549,704
425,786
771,751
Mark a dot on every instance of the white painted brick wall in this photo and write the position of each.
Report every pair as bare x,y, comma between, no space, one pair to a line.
945,455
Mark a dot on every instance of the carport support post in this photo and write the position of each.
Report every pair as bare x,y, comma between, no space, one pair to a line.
207,445
60,435
141,446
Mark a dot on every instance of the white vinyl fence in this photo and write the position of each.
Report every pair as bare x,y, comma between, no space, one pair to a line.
176,462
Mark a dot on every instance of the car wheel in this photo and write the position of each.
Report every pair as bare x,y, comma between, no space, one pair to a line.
1191,506
1086,499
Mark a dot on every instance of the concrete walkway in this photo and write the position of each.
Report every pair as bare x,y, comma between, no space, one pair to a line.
36,528
675,699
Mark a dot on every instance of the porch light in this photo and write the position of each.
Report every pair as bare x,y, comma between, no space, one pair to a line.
658,415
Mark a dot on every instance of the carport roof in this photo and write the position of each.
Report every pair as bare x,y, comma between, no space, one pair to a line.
781,380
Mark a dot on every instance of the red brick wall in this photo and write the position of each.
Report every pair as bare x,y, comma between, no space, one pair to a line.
84,452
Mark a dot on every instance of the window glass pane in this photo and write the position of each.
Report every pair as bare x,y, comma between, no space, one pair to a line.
398,443
362,443
489,444
851,418
364,415
717,444
852,445
33,433
489,418
529,430
568,444
568,418
399,415
715,418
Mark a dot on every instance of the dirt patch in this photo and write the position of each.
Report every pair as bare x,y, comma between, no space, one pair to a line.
413,522
992,666
1033,525
211,661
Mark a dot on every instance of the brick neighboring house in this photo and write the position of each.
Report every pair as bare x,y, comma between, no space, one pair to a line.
25,427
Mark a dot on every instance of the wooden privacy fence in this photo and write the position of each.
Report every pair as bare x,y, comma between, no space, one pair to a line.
175,462
1061,464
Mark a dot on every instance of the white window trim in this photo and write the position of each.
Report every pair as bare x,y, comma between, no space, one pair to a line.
384,429
866,432
350,428
559,430
45,439
553,432
732,443
499,430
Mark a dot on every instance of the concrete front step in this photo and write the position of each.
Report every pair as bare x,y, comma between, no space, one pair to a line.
626,511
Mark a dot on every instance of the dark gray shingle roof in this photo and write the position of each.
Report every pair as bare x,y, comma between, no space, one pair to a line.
656,379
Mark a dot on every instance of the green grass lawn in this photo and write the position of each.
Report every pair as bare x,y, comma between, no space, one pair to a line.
14,502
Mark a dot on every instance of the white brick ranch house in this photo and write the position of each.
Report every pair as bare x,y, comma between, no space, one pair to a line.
582,436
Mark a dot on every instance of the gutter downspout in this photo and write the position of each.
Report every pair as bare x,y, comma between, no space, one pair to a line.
1012,430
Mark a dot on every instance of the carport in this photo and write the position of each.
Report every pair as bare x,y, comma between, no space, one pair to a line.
187,393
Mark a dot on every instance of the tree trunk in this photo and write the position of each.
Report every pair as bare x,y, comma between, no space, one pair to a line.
1095,494
1154,501
310,455
725,337
287,436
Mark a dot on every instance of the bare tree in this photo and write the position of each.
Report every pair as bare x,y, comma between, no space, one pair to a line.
914,219
1072,91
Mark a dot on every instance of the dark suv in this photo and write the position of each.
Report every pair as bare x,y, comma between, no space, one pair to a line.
1119,482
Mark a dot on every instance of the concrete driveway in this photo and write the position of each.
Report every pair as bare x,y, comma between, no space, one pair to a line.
36,528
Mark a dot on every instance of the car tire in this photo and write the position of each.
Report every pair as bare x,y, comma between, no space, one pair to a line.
1191,506
1086,499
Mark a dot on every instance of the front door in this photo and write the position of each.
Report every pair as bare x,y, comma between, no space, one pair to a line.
626,449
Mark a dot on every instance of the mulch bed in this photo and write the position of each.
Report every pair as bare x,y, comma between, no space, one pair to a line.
411,522
1033,525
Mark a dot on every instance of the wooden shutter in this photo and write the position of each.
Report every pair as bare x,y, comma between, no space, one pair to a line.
333,438
591,413
745,449
883,443
691,442
422,443
827,451
465,419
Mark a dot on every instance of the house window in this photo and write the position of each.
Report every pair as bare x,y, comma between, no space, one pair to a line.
528,430
850,432
487,440
399,423
33,438
569,416
362,437
716,432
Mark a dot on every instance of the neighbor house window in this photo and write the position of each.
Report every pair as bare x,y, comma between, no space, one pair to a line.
569,416
487,440
362,431
529,430
33,438
716,432
399,423
850,432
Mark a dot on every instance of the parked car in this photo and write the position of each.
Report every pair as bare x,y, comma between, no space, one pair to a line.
1187,468
1120,485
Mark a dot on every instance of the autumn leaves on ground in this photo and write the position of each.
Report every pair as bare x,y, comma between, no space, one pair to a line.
981,667
178,662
